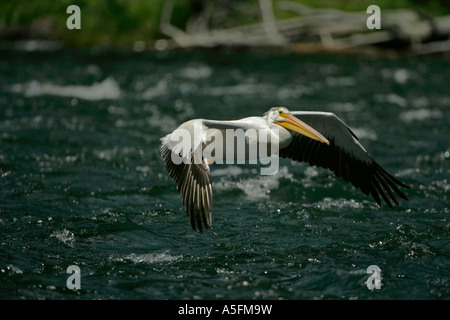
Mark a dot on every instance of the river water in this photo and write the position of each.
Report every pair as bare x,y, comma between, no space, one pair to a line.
82,182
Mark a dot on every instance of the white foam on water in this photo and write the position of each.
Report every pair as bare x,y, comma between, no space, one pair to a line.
311,172
328,204
36,45
255,188
106,89
292,92
391,98
363,133
151,258
65,236
240,89
401,76
12,268
196,72
258,188
160,89
420,115
160,120
228,171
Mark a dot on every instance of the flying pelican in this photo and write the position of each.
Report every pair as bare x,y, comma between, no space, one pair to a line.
319,138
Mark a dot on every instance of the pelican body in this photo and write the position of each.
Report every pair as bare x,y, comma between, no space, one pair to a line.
318,138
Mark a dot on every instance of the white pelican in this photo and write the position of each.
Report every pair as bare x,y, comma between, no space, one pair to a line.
319,138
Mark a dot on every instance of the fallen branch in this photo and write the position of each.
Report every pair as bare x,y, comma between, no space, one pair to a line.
329,28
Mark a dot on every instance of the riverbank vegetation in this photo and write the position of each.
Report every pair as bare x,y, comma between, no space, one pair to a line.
125,23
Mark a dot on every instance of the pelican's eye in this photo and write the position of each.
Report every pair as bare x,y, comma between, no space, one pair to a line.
281,113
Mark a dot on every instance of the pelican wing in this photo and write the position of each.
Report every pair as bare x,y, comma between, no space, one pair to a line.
345,156
192,175
193,180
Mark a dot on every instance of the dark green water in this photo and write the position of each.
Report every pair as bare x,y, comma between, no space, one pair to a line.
82,181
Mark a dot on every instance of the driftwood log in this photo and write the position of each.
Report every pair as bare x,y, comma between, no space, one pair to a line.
322,29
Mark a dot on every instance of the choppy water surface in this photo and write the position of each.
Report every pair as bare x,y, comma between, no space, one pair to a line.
82,181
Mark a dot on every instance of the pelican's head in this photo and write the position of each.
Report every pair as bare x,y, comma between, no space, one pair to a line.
282,117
